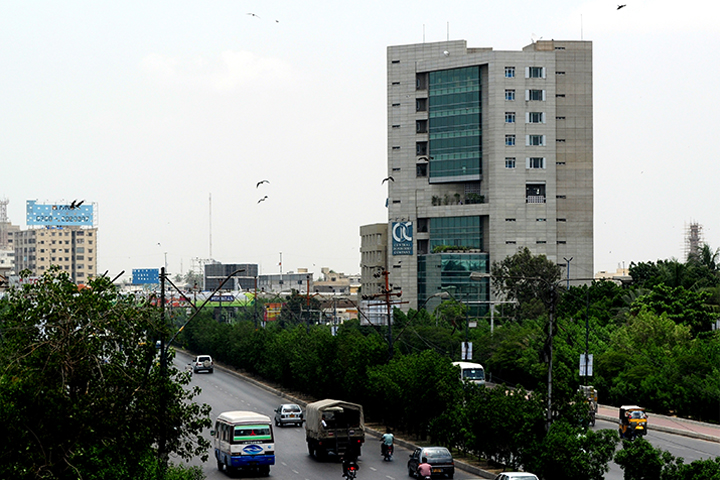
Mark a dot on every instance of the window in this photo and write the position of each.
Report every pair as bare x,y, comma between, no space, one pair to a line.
509,95
559,118
541,219
562,220
395,104
396,83
510,242
541,241
396,147
559,163
396,61
421,148
535,162
535,95
559,73
396,126
561,242
509,72
421,105
510,220
535,140
509,162
421,169
535,72
559,95
535,193
534,117
560,140
560,196
510,140
509,117
421,126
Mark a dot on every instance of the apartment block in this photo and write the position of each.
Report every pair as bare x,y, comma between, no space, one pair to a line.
73,249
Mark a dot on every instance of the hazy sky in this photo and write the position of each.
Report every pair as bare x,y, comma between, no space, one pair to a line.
148,108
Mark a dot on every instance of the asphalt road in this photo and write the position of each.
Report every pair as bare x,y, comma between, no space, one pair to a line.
224,391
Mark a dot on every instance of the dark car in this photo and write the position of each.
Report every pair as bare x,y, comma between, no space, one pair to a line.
203,362
288,414
439,458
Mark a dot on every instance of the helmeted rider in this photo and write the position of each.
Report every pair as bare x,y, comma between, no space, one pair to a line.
387,442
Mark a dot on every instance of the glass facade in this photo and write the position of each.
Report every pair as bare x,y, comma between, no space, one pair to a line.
451,272
455,124
456,231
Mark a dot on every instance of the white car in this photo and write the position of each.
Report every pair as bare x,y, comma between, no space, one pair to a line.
516,476
203,362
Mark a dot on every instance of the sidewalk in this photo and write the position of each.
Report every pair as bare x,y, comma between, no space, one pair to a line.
661,423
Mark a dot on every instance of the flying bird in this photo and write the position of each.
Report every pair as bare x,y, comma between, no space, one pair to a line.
261,182
621,6
252,14
79,203
386,179
72,205
262,199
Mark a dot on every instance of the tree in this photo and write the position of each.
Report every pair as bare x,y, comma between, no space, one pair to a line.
81,391
528,279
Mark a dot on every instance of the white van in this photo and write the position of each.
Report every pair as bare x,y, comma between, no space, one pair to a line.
472,372
244,440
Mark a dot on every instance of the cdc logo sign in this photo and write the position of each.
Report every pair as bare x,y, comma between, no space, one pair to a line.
402,238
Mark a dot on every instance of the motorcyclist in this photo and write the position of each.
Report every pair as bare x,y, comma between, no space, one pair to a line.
349,459
424,470
387,443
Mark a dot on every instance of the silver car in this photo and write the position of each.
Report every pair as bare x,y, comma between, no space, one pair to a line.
288,414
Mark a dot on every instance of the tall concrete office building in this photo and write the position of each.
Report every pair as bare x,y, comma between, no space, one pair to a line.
489,151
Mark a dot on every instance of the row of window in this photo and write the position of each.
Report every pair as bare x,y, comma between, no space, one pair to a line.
530,117
530,140
537,220
530,162
530,72
531,95
539,242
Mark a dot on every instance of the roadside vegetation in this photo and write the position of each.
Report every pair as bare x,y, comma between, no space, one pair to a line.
83,392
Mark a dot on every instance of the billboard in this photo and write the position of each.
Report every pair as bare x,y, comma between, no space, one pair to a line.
76,214
402,238
145,276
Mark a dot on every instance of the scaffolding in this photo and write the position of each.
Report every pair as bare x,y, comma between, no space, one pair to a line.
693,239
4,224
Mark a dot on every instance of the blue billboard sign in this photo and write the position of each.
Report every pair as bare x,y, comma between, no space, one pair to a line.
144,276
402,238
73,215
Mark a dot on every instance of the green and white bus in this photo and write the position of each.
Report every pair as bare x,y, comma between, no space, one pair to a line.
244,440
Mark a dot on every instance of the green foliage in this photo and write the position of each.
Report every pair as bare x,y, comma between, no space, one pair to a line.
682,306
569,453
528,279
413,388
82,390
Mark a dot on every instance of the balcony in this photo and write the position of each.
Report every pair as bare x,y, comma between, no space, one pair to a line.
535,199
457,199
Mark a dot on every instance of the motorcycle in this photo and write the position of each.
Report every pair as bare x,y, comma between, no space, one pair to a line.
350,469
387,452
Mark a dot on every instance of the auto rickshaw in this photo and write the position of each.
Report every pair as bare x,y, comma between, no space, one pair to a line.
633,422
591,397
